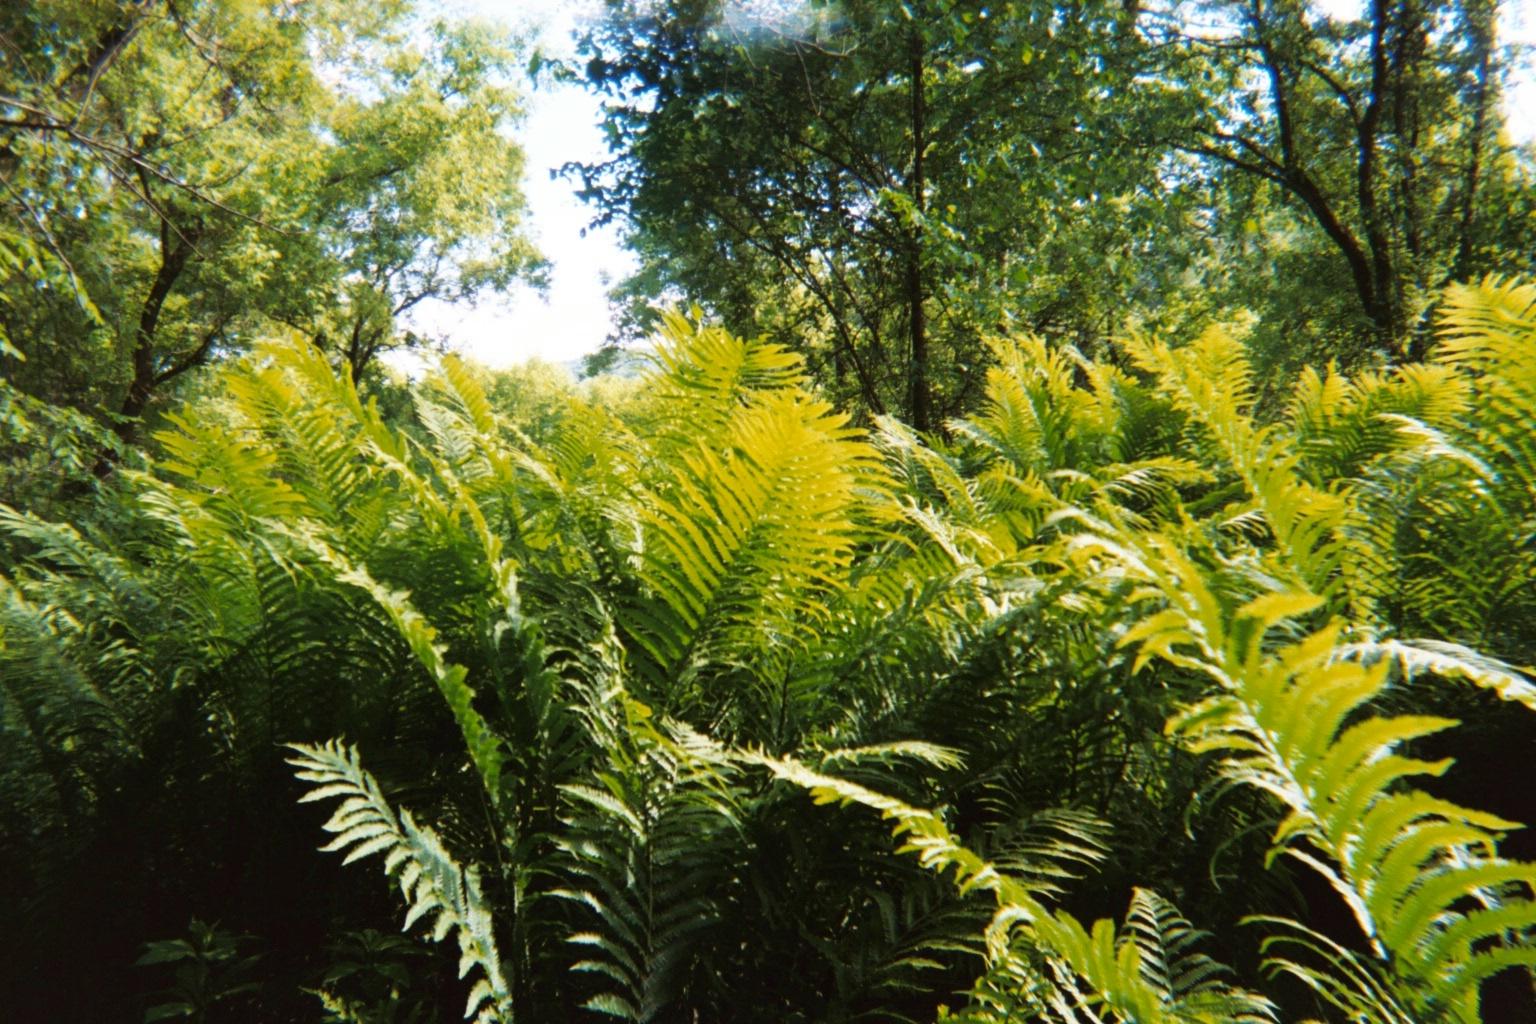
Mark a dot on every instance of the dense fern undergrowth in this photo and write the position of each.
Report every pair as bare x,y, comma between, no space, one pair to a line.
1118,703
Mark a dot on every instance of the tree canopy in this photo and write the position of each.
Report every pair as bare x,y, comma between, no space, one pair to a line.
181,177
888,183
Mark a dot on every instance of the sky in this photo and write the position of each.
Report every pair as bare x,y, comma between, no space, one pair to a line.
571,318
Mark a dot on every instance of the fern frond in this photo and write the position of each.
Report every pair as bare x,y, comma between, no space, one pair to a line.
234,481
1293,722
751,537
701,375
1034,417
1438,657
1488,324
899,750
1193,983
434,886
1490,329
637,844
1094,960
1342,977
316,447
1210,380
485,747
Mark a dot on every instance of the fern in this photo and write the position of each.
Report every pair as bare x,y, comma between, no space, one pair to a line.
1411,658
1083,968
750,537
1342,426
431,882
1112,587
1190,981
1210,380
484,746
702,376
1292,722
1054,441
637,842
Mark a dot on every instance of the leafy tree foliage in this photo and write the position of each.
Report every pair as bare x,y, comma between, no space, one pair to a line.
879,184
884,185
179,177
1378,131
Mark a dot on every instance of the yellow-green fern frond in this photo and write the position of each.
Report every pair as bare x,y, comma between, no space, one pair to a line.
972,523
1035,416
702,374
1490,329
484,746
1422,876
749,537
1195,986
1342,426
1211,380
1488,325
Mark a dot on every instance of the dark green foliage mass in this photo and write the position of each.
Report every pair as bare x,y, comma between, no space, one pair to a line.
882,185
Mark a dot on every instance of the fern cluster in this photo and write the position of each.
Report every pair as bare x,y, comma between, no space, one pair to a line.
666,680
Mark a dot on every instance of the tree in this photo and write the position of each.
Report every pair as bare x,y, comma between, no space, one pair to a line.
880,184
1381,131
193,172
885,184
419,196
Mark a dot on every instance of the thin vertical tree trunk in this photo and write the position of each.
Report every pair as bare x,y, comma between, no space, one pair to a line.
918,401
1479,16
174,254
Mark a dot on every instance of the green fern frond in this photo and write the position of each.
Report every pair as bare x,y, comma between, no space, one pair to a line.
917,751
1342,426
1035,417
431,882
1489,325
63,728
1292,722
638,841
1211,380
469,440
466,397
701,375
1341,977
485,747
1194,984
1048,849
1046,440
234,481
1411,658
1109,970
316,447
1489,329
751,537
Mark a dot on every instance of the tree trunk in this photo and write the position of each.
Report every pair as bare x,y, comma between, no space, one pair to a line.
1479,27
918,400
173,260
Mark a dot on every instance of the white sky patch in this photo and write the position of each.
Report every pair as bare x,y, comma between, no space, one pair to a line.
1516,28
562,126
